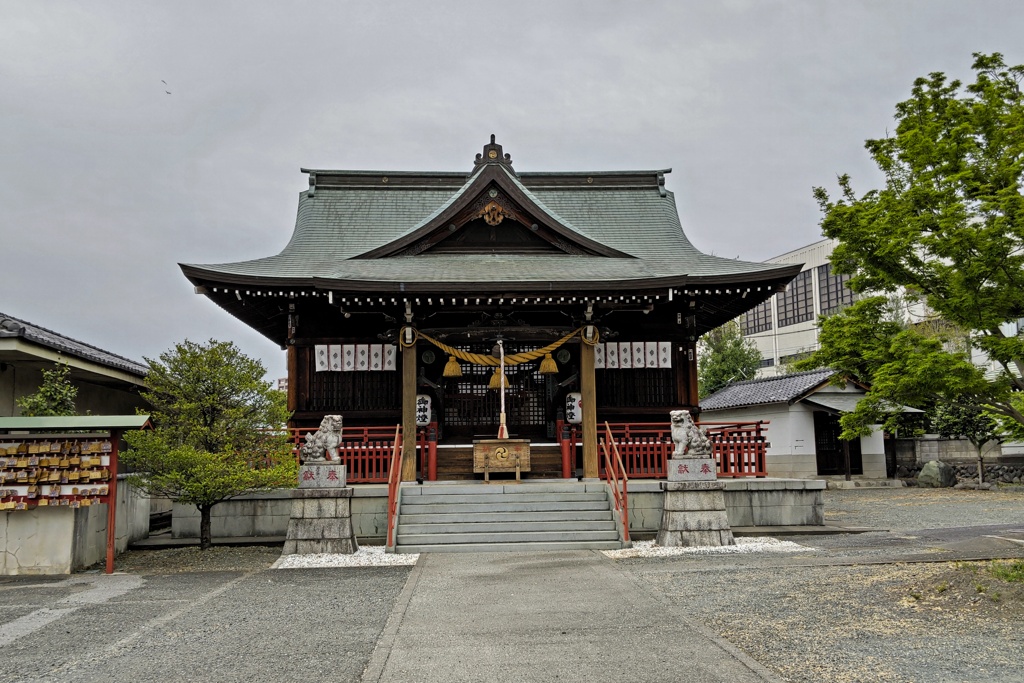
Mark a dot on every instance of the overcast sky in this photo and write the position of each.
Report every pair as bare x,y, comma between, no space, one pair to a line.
137,135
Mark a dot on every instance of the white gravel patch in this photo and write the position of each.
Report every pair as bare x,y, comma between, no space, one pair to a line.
366,556
759,544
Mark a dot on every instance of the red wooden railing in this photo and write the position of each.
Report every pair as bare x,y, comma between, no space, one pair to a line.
738,447
394,481
366,451
618,480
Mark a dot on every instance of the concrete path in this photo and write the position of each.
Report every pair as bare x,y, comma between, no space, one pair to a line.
560,616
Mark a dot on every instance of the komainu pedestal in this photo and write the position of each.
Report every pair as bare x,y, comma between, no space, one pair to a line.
694,515
321,518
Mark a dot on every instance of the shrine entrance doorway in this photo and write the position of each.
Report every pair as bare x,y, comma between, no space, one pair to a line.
471,408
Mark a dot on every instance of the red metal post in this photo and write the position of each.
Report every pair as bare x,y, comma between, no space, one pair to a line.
115,442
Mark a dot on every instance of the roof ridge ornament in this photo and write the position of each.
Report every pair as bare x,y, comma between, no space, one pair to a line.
492,155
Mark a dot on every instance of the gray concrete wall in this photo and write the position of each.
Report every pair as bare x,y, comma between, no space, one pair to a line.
267,513
748,502
59,540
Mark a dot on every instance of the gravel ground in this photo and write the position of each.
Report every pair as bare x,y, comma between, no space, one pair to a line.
192,559
846,612
911,508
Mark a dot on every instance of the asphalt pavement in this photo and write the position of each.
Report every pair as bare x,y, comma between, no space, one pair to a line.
562,616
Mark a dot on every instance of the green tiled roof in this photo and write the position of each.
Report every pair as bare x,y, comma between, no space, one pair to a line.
337,224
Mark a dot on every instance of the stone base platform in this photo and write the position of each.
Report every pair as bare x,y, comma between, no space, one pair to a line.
321,522
694,515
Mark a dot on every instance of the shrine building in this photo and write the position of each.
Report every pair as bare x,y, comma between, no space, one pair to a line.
403,289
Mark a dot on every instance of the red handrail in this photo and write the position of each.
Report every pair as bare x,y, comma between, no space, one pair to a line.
394,480
366,451
738,447
614,473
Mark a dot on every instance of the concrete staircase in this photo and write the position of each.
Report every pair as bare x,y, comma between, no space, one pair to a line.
497,517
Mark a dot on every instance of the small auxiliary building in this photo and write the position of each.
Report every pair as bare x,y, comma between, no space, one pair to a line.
400,284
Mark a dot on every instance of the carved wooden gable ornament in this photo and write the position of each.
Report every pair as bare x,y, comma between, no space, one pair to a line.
493,214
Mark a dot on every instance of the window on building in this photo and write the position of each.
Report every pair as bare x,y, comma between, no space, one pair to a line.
796,304
757,319
833,293
793,357
767,362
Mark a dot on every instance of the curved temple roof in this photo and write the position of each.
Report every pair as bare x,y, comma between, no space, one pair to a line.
358,230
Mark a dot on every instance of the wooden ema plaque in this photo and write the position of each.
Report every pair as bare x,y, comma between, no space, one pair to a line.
501,455
63,472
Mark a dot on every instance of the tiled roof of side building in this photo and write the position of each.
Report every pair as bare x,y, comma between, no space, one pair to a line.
18,328
781,389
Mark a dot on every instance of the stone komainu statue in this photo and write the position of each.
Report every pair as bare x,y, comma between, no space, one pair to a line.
690,440
323,444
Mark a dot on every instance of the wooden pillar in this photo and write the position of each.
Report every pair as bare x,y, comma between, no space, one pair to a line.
588,389
293,378
690,353
409,413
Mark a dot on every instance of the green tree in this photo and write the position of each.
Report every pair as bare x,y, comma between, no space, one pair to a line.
948,230
56,395
971,422
218,429
725,356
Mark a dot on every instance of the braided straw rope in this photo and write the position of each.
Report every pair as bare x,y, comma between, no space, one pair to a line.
487,359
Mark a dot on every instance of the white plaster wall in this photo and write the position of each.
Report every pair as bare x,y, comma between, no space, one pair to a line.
872,453
790,434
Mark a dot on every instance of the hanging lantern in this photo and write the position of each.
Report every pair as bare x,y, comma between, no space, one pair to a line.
548,366
452,368
496,379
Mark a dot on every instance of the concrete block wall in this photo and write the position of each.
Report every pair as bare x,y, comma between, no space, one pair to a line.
748,502
267,514
59,540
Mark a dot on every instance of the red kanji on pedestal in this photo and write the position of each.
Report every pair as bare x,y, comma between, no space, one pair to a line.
705,468
308,475
332,475
684,469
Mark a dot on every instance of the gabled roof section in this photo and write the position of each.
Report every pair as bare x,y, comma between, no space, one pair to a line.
493,193
756,392
379,230
15,328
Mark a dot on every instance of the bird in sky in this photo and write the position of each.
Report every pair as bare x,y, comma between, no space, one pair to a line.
165,83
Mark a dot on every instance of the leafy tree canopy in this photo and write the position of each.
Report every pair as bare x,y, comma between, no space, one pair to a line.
218,429
725,356
56,395
947,229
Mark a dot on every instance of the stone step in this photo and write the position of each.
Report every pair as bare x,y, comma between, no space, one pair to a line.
473,527
564,486
532,547
457,517
542,506
517,497
505,537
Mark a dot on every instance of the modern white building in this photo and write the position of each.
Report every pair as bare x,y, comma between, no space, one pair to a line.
785,328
